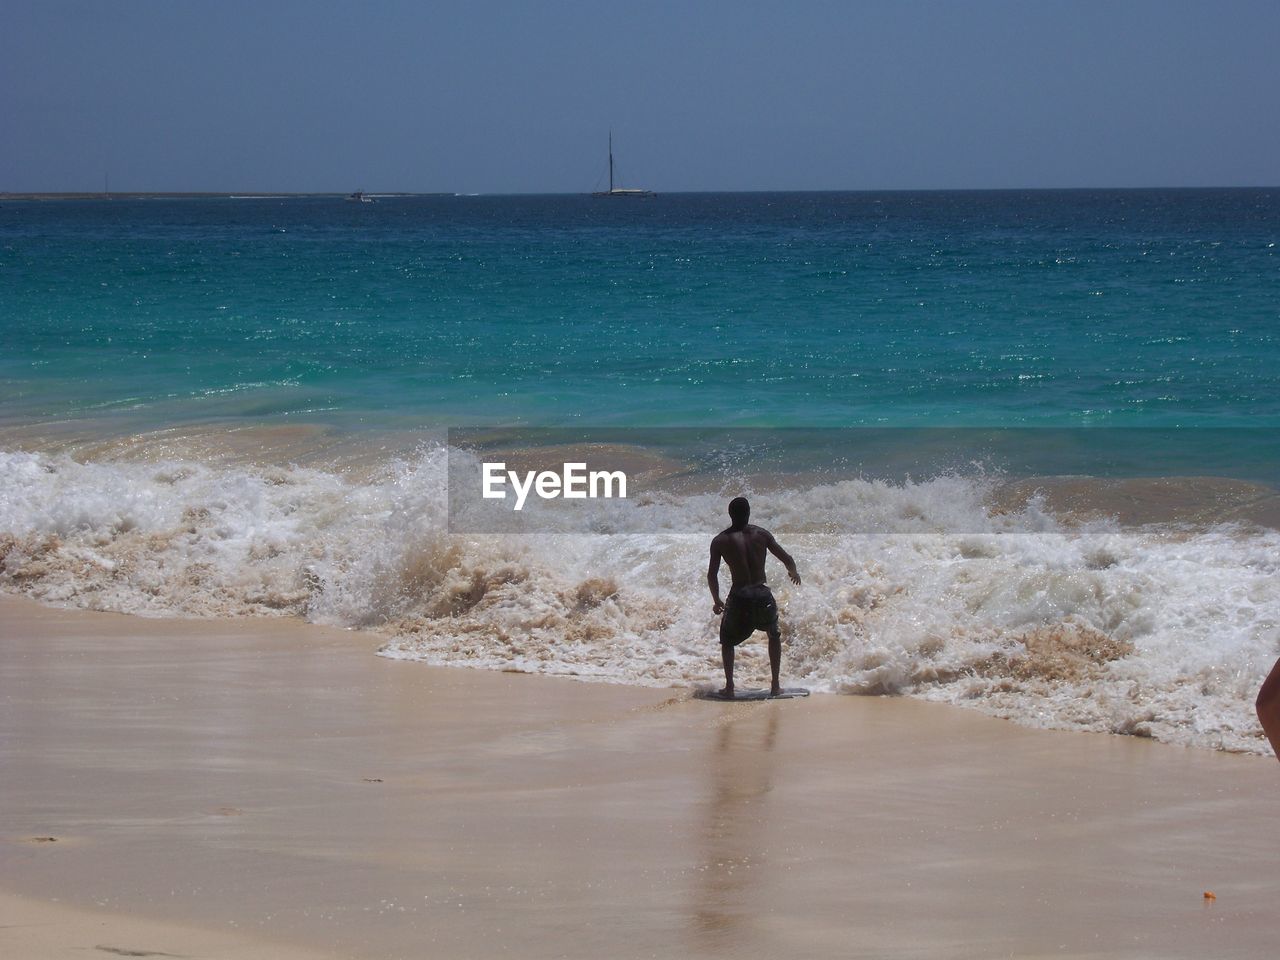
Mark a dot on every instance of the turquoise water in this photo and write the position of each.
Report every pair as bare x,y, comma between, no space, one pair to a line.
237,407
1120,308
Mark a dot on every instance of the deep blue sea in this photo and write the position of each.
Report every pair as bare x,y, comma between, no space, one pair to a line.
1118,308
219,407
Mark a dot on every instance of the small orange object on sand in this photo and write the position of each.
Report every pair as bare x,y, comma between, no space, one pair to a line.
1210,895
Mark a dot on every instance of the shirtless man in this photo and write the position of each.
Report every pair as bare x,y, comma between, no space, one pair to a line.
750,604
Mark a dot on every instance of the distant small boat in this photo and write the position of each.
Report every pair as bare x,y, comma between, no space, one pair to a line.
620,191
360,197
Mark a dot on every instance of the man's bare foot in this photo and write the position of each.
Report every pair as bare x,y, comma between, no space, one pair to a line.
775,690
725,693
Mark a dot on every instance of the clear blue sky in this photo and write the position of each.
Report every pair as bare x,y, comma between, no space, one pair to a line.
491,96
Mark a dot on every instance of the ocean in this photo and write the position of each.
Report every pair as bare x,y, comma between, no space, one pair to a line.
1022,444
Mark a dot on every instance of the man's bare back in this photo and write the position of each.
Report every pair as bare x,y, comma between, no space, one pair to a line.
744,551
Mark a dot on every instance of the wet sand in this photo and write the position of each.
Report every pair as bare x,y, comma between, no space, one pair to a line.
268,789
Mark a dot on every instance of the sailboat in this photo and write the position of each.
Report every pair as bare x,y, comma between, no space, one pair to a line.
619,191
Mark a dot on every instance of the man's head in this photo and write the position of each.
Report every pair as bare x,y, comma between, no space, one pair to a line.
739,511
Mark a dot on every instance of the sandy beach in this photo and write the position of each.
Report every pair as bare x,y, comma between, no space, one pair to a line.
261,788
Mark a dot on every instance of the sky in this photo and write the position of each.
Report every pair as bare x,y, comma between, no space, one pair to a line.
498,96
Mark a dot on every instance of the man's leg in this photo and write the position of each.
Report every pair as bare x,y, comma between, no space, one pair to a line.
775,659
726,653
1268,707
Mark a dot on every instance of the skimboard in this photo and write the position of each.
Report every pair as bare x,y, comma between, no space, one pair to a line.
788,693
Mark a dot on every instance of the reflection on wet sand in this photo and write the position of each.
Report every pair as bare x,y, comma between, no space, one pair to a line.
740,775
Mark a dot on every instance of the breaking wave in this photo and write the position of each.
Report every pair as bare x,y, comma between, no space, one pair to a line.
1158,630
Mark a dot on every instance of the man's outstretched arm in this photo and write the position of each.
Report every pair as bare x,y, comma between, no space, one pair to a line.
713,579
787,560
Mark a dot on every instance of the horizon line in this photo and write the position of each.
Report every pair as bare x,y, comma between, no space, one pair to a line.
392,194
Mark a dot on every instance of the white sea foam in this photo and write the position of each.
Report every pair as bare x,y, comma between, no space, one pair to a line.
1152,631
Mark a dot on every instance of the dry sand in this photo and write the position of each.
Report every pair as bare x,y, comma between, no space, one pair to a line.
267,789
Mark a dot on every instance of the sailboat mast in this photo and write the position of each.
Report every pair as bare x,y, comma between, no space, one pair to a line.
615,190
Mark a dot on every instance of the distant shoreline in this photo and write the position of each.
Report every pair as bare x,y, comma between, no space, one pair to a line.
294,195
164,195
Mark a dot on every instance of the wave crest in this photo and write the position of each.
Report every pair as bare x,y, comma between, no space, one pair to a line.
1156,631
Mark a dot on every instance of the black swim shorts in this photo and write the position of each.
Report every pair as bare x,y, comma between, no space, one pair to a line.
746,610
